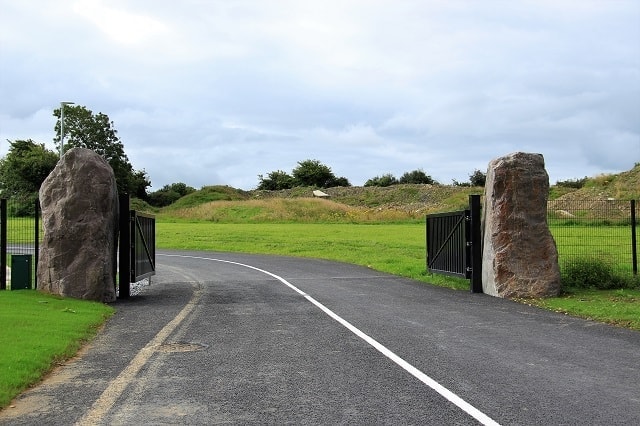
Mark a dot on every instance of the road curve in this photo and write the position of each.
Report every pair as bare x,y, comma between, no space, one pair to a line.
250,339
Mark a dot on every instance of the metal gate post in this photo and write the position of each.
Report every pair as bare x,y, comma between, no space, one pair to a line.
475,240
125,249
36,244
634,243
3,244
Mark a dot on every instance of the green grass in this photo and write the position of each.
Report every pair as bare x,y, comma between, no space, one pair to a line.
208,194
21,230
395,248
616,307
38,332
611,244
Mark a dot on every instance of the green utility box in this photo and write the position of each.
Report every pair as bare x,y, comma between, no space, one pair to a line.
21,271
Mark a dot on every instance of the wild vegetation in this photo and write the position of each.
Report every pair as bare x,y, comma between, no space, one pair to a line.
349,204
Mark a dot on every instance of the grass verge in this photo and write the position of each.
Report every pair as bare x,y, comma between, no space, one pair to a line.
398,249
38,332
616,307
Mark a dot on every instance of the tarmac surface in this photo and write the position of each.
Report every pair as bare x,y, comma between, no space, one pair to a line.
221,338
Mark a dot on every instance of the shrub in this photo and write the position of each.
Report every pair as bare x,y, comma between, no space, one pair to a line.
275,181
417,177
383,181
589,272
573,183
22,205
169,194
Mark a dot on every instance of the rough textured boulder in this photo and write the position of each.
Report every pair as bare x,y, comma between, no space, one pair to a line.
519,258
79,202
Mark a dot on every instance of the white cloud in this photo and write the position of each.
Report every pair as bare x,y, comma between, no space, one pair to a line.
120,25
215,91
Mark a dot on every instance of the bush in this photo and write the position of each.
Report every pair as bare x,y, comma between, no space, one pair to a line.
383,181
169,194
417,177
572,183
592,273
275,181
22,205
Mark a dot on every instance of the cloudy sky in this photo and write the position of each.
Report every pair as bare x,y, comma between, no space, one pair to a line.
219,91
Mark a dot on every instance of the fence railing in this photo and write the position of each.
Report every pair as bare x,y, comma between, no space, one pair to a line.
454,245
143,252
17,239
20,236
602,230
137,252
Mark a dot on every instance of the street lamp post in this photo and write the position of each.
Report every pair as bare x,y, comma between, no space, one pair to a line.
62,104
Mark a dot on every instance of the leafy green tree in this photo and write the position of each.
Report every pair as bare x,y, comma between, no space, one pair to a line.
96,132
314,173
307,173
339,181
384,180
477,178
25,167
169,194
22,171
417,177
275,181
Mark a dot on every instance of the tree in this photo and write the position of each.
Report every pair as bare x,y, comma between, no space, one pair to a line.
477,178
384,180
84,129
339,181
314,173
22,171
307,173
275,181
417,177
169,194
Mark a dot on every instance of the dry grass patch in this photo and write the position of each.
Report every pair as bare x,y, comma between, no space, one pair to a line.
288,210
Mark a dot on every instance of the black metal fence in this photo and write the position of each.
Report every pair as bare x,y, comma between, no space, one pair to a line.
18,245
454,245
600,230
20,237
143,252
584,230
137,258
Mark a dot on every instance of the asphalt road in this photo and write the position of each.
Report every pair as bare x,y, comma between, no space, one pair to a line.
243,339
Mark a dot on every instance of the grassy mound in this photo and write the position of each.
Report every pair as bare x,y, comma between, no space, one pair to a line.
394,203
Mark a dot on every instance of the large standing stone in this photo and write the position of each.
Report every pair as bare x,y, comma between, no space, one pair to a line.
519,258
79,202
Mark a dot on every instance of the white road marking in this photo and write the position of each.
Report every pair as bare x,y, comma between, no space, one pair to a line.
446,393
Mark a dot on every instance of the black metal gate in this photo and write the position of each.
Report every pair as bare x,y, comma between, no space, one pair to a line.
137,259
454,244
